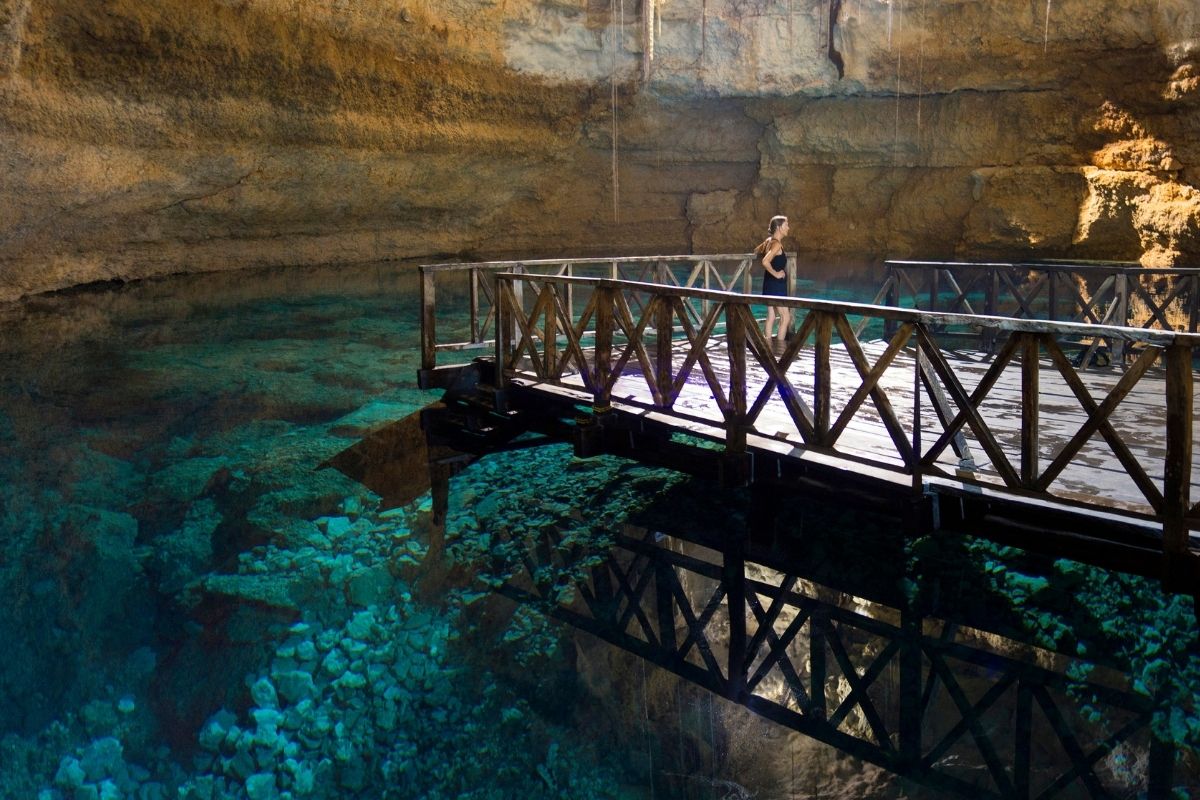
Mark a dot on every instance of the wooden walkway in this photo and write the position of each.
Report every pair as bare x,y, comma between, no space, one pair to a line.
1026,424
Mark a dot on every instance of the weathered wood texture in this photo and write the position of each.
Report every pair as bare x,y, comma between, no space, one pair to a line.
1035,423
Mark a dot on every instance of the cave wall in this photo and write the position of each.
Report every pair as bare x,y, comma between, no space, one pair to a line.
141,138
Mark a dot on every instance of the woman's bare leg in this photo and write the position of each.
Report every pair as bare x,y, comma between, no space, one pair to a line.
770,320
785,322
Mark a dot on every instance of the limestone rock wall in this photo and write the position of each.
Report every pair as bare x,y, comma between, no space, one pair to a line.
140,138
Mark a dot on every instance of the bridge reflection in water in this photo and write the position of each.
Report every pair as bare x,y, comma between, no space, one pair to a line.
928,699
838,655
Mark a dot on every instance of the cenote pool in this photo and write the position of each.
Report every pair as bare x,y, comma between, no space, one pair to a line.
194,608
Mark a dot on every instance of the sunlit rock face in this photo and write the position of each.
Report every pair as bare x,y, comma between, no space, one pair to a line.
144,137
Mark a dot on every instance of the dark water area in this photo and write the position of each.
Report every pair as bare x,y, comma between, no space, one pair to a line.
195,608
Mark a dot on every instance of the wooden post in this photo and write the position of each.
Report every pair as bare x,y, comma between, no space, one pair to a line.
1121,298
791,278
989,308
1193,302
1023,740
663,368
733,575
1029,408
911,711
473,284
665,602
919,366
819,627
1161,766
1052,280
428,320
892,281
518,288
550,336
822,375
934,285
505,332
1177,472
605,325
736,471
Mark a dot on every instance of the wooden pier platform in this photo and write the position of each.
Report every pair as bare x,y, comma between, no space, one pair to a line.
1028,441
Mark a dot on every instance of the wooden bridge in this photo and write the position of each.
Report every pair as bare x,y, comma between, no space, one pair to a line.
1019,437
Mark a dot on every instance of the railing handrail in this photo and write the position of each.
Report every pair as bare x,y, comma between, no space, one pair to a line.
535,334
1050,265
543,262
1024,325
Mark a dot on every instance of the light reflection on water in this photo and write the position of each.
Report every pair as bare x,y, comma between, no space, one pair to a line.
171,550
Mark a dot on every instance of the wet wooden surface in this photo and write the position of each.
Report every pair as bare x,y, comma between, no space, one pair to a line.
1095,474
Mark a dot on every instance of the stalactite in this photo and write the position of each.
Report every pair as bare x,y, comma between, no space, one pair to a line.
617,25
648,12
703,29
1046,32
920,74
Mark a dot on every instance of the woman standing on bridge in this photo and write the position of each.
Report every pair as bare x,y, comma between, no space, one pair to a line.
774,262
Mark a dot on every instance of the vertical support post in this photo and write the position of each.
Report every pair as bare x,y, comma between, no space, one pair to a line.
706,268
822,374
518,288
505,331
550,335
990,304
919,366
570,298
1022,741
665,600
663,368
473,285
605,324
791,277
1161,768
1177,472
934,285
428,320
1031,348
733,575
1121,289
892,281
819,626
1052,294
911,710
1193,302
735,467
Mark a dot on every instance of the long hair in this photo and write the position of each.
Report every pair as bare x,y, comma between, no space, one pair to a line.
775,224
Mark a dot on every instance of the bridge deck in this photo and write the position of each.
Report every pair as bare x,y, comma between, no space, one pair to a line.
1097,470
1021,428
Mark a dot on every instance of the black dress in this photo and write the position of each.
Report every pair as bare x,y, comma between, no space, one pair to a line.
771,284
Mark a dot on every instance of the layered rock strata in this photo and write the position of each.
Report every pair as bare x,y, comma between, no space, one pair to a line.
143,138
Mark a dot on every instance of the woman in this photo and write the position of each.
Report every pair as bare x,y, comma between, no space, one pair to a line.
774,262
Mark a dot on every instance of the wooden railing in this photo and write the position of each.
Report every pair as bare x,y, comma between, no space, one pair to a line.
469,287
882,684
1101,293
628,334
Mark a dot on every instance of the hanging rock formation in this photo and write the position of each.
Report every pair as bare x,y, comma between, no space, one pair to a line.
143,138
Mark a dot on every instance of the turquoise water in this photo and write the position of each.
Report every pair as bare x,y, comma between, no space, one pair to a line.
195,609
